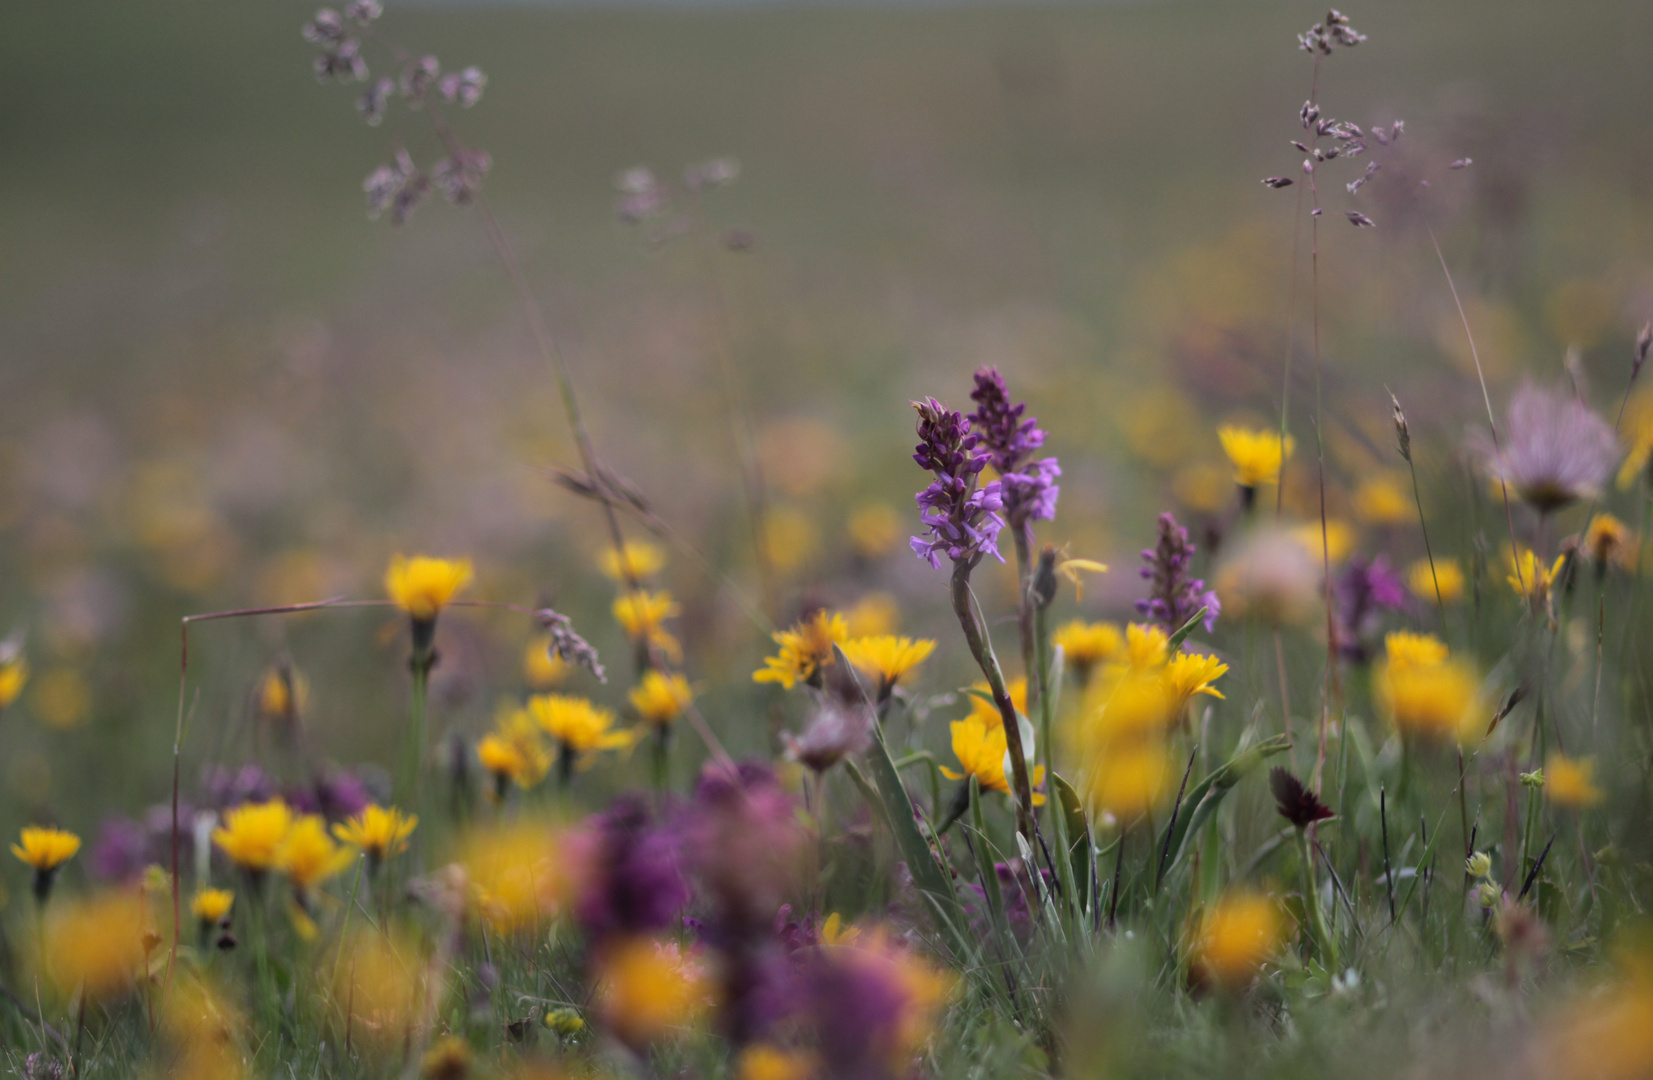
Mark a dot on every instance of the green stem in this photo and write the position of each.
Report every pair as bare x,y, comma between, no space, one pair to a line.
1311,901
982,651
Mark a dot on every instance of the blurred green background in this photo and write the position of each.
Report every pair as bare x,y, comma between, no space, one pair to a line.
221,385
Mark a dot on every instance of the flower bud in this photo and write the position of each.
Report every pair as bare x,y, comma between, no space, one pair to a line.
1478,865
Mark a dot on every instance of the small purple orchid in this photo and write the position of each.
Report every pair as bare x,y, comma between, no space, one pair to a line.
1027,488
1175,596
963,519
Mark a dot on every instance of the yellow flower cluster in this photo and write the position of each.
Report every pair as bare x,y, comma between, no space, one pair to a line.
1085,646
1428,693
261,837
514,753
1530,578
14,673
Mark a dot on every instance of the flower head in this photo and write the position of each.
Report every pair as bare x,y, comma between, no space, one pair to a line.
1295,802
210,906
984,711
1428,693
252,834
14,671
962,519
648,990
96,945
1570,782
1382,500
1257,456
1606,541
642,615
981,752
1086,645
632,561
542,668
422,586
1187,674
1236,937
1272,576
378,831
1028,488
660,698
1555,448
875,1006
804,650
577,724
514,753
520,873
1530,578
45,848
887,656
1174,594
308,856
1446,574
1361,592
634,883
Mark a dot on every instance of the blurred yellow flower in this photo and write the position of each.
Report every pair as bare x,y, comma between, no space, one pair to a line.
252,834
1383,500
985,713
449,1058
874,530
282,694
1427,693
14,673
61,698
875,613
1187,674
635,560
1235,937
981,752
1570,782
887,656
1203,486
96,945
1529,577
576,724
1606,541
308,856
1409,650
1607,1034
542,670
661,698
1086,645
789,538
422,586
211,905
762,1061
378,831
1421,579
1145,646
804,650
1335,544
1130,778
45,847
382,983
514,755
1257,456
520,873
641,615
834,932
649,990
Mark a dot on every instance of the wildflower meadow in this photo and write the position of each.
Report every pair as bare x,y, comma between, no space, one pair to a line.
1033,541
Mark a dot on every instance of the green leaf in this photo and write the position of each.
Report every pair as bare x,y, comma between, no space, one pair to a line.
1176,639
1207,795
1073,817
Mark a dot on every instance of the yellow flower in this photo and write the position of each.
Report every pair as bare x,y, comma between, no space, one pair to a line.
96,945
422,586
45,847
1425,691
659,698
1529,577
649,990
540,669
1638,428
804,650
449,1058
887,656
1382,500
1085,645
1188,674
789,538
62,698
1202,486
1447,573
1130,778
875,613
384,984
834,932
641,614
14,673
1257,456
1570,782
874,529
211,905
981,751
282,694
511,757
1072,568
1145,646
308,855
764,1062
252,834
1334,545
1236,936
1606,540
519,874
378,831
577,724
985,713
633,561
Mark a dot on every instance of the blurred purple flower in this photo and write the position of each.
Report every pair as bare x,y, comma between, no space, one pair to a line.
1175,596
963,520
1361,592
741,839
1555,448
636,886
120,852
224,786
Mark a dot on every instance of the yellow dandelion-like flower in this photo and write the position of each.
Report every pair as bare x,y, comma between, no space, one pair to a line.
422,586
449,1058
252,834
874,530
520,874
1426,692
649,990
541,669
45,848
635,560
1570,782
1257,456
383,982
1145,646
1383,500
14,673
1085,646
378,831
984,712
282,694
887,656
874,614
804,650
660,698
308,856
514,756
96,945
1421,579
642,616
1334,545
1606,541
1529,577
209,906
1638,433
577,724
1187,674
1236,936
1406,649
981,752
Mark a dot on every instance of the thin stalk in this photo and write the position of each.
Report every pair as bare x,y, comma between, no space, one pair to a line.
982,650
1423,526
1317,918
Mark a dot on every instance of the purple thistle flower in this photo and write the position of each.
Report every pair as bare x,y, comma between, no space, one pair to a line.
1361,592
1028,488
1555,449
963,520
1174,596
